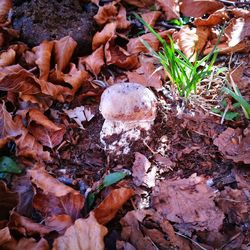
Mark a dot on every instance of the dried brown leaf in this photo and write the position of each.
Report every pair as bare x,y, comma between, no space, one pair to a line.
151,17
64,49
175,199
106,13
142,175
108,208
100,38
5,236
7,58
121,19
85,234
198,8
170,8
43,56
5,6
95,61
141,3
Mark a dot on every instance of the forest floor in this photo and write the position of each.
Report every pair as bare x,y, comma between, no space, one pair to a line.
183,184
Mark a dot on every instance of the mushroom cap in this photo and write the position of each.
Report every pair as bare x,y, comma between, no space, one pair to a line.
128,102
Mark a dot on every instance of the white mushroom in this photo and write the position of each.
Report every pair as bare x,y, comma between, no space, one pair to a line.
127,108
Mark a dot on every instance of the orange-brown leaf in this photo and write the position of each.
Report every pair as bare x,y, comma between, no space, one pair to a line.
121,19
106,13
7,58
5,6
170,8
108,208
43,55
64,49
151,17
85,234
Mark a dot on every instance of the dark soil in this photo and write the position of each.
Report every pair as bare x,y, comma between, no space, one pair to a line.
39,20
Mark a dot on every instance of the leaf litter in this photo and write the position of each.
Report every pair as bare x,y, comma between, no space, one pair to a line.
188,186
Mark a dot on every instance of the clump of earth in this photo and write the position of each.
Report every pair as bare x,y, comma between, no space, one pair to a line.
39,20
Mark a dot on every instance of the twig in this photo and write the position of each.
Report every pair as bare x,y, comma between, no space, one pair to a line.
232,239
194,242
224,114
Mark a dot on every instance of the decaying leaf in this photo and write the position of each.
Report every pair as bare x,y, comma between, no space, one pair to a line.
5,6
175,199
170,8
151,17
140,3
106,13
121,19
64,49
108,208
141,172
7,58
85,234
234,144
5,235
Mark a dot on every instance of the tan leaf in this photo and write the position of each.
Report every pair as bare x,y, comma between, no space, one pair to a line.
136,46
106,13
198,8
170,8
108,208
100,38
151,17
85,234
142,175
95,61
64,49
120,57
217,17
59,223
7,58
5,6
43,56
26,226
175,199
121,19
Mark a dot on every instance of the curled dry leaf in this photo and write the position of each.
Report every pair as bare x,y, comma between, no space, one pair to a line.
217,17
136,46
147,74
120,57
85,234
140,3
142,175
106,13
175,199
234,144
170,8
26,226
64,49
95,61
43,56
8,200
53,197
5,6
100,38
108,208
7,58
151,17
121,19
198,8
59,223
5,235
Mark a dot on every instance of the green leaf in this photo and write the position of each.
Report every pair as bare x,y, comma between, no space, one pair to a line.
230,116
113,178
90,200
7,165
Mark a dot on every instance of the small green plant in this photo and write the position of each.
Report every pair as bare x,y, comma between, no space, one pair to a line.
184,74
235,93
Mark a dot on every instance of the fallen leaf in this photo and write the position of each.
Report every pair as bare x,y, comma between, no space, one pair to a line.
59,223
234,144
5,235
8,200
43,57
175,199
64,49
108,208
170,8
121,19
80,114
7,58
141,172
151,17
100,38
53,197
140,3
95,61
198,8
5,6
217,17
106,13
26,226
83,235
136,46
120,57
